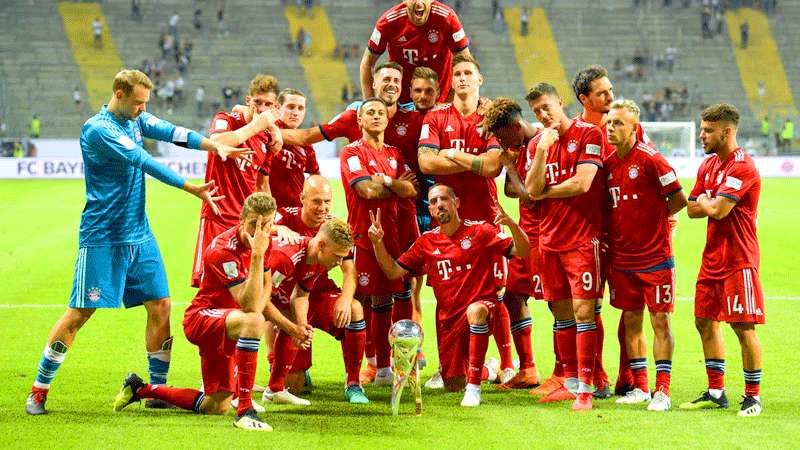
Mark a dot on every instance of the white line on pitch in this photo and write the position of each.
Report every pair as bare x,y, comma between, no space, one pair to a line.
425,301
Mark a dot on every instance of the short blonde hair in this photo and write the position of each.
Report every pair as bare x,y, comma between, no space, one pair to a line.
259,203
628,105
126,79
263,84
338,231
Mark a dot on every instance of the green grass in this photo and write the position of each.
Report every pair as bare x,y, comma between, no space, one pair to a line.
38,239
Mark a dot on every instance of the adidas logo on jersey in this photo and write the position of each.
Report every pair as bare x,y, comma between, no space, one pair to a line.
402,39
449,128
437,252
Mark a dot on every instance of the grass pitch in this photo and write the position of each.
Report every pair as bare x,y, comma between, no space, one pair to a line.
38,239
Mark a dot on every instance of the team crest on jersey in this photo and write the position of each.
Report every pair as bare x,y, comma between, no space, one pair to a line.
433,37
363,278
633,172
230,269
138,135
393,163
94,294
401,129
572,146
372,163
466,244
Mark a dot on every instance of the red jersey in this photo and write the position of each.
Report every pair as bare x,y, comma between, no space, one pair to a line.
292,217
289,269
226,263
529,214
402,131
566,223
731,243
445,128
359,162
235,177
638,186
288,169
431,45
462,268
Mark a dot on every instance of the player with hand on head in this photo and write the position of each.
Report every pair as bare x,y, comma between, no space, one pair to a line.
415,33
460,259
374,175
253,128
644,192
504,120
567,156
118,262
226,321
728,288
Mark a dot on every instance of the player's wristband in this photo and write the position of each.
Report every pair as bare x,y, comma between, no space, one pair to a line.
387,181
451,153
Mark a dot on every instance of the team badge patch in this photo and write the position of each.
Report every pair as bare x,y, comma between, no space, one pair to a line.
230,269
593,149
433,37
733,183
633,172
363,279
466,244
94,294
137,135
401,129
393,163
572,146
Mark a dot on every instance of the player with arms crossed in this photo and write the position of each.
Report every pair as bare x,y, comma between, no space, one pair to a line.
118,259
226,321
504,120
567,156
416,33
460,259
253,128
728,288
644,192
374,176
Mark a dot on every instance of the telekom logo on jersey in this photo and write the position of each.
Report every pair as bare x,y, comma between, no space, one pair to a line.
552,172
411,55
446,269
460,145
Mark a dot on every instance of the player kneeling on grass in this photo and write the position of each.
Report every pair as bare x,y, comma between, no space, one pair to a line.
463,261
644,192
296,270
226,321
728,289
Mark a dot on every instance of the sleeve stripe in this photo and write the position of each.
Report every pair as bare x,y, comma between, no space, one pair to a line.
730,196
692,198
356,180
510,249
670,194
461,49
587,161
374,52
322,131
235,283
409,269
433,146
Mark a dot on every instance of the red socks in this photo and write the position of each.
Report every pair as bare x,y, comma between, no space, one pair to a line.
502,337
586,341
381,322
600,376
285,352
184,398
521,332
625,375
639,368
567,350
355,336
478,343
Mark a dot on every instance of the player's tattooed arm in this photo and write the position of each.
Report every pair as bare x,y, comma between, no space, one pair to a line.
372,188
402,187
432,161
486,165
388,265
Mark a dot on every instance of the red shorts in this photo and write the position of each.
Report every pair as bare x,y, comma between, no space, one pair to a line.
523,276
407,223
371,279
206,329
737,298
320,316
575,274
631,291
209,229
452,339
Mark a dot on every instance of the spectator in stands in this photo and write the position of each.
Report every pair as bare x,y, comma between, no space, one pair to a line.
221,29
196,21
3,127
147,68
228,97
499,23
670,53
744,34
180,84
720,18
765,127
76,98
168,94
787,134
199,99
524,22
136,10
705,19
173,23
97,31
458,5
495,7
346,93
35,126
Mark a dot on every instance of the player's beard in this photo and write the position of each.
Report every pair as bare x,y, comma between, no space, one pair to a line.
444,217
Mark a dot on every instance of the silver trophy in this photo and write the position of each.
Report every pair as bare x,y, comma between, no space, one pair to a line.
405,337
